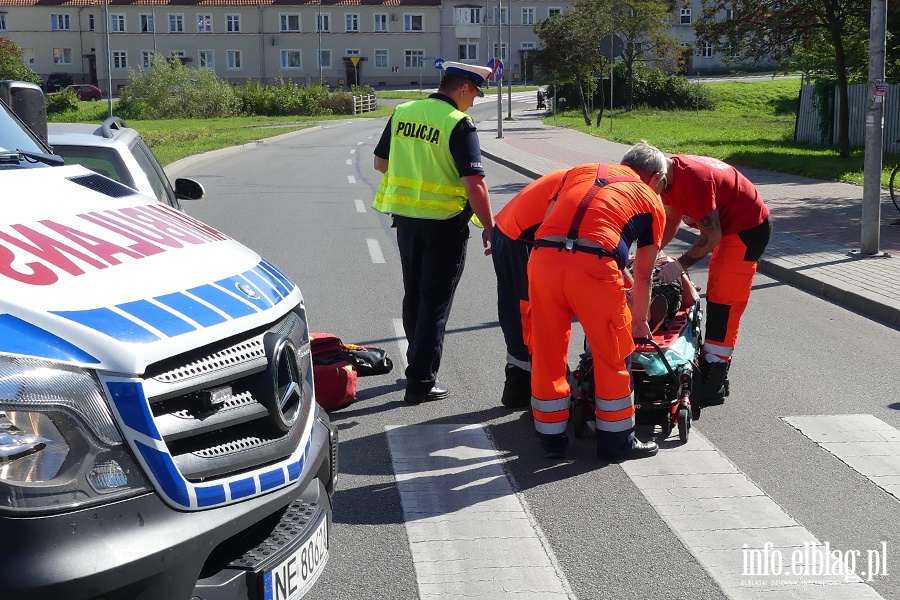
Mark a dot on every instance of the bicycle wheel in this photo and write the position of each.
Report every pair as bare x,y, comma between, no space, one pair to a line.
895,187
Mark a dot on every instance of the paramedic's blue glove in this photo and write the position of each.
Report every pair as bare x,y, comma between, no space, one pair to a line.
671,271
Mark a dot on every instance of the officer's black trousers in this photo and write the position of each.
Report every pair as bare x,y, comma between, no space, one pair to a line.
432,256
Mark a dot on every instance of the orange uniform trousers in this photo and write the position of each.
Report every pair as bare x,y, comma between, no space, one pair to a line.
731,269
563,285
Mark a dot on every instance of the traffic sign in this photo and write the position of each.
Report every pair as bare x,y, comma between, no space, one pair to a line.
439,63
496,67
612,46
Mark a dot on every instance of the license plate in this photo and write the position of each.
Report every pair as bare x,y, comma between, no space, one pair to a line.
295,575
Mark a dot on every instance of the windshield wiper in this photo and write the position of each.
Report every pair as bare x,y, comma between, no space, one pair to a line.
17,156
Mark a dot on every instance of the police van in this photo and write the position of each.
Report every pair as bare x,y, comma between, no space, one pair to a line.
159,435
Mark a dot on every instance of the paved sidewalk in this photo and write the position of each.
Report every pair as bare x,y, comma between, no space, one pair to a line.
817,223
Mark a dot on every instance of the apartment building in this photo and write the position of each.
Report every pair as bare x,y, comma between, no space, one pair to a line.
338,42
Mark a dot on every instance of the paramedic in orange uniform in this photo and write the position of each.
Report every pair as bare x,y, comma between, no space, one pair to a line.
575,270
511,242
734,225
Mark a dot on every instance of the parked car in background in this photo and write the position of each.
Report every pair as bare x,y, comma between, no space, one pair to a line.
119,152
57,81
86,91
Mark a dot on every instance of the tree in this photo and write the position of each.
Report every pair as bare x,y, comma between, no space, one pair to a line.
643,26
11,64
828,33
570,47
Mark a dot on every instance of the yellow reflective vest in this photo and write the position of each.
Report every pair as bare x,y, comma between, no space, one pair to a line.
422,180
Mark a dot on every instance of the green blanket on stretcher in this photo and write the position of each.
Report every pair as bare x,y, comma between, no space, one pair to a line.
679,352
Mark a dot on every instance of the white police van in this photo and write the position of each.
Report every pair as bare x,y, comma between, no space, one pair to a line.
159,436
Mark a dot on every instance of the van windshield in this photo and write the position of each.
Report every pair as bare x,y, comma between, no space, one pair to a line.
14,137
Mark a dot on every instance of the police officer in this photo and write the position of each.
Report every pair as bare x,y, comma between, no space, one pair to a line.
433,183
734,225
575,270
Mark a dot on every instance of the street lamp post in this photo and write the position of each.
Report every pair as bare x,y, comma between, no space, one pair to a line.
499,79
509,60
108,58
319,28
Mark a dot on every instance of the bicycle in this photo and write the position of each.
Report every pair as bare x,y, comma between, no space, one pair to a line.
894,186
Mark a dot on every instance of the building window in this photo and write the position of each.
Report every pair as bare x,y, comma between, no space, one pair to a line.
413,59
90,22
706,51
468,16
290,23
685,16
146,59
552,12
527,16
381,22
117,23
412,23
233,23
381,59
59,22
468,52
504,16
176,23
527,46
323,23
62,56
205,58
730,14
234,60
28,56
291,59
351,23
352,52
177,53
2,21
120,59
325,59
147,24
204,23
503,56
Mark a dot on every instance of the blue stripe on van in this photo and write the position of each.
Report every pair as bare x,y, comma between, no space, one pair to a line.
284,284
271,479
166,474
264,284
21,337
156,317
210,495
133,408
111,323
242,488
223,301
236,285
192,309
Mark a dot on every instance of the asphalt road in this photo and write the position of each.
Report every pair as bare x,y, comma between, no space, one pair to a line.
299,201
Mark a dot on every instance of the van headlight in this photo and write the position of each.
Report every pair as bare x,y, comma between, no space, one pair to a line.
59,446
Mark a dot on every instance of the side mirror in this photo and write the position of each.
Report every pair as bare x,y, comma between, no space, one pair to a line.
188,189
27,101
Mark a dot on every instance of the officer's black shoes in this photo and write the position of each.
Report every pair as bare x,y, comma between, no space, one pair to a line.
554,446
435,393
615,447
713,389
517,389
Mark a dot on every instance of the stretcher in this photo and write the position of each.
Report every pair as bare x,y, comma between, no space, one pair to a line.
664,370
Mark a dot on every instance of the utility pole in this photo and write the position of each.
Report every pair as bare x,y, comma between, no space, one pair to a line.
319,28
871,207
509,60
499,79
108,58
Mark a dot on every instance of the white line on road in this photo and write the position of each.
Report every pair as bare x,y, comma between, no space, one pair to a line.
865,443
375,251
726,522
469,532
360,207
401,341
360,143
349,161
353,151
351,178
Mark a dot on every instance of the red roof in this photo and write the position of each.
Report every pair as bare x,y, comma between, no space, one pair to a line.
298,3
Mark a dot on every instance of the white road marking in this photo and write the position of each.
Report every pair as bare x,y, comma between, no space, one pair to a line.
351,178
469,532
353,151
401,341
349,162
360,206
865,443
360,143
375,251
721,516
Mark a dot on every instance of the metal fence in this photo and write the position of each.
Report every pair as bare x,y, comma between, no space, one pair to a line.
364,104
809,117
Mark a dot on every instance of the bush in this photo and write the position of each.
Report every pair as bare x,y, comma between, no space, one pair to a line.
169,90
286,98
12,66
60,102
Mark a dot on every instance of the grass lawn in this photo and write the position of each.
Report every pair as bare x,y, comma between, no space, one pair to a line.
753,125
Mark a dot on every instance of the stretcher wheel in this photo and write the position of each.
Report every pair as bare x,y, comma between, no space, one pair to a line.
579,428
684,423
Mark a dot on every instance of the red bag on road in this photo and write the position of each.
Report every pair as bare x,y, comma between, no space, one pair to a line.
334,376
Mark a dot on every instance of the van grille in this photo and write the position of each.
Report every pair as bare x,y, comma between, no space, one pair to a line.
208,405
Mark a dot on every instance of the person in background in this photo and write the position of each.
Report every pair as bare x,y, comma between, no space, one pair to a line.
734,223
433,183
575,270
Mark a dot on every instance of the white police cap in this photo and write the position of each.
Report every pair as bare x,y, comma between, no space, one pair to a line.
476,73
